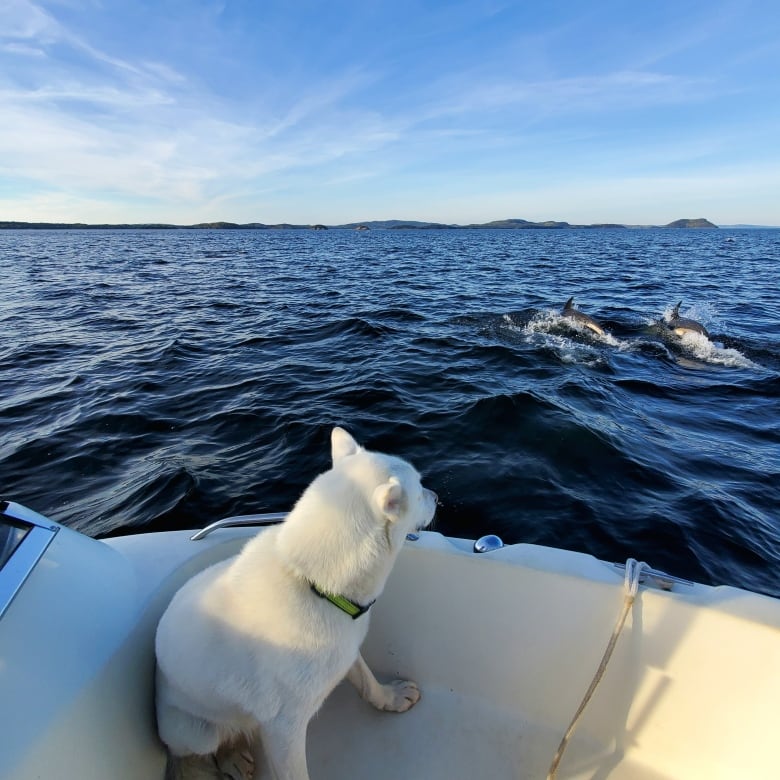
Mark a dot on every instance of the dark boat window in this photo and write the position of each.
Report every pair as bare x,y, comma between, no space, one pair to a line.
24,537
10,537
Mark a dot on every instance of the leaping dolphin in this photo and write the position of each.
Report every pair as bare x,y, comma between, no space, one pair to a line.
681,325
581,318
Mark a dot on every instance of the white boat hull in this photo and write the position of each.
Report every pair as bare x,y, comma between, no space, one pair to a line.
503,646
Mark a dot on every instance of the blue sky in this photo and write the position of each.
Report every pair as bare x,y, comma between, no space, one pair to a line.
265,111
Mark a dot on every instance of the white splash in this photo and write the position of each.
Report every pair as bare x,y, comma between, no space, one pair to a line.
549,329
552,321
698,345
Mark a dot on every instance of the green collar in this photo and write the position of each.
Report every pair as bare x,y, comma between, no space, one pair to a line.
343,603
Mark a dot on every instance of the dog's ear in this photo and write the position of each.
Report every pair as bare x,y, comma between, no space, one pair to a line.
390,498
342,444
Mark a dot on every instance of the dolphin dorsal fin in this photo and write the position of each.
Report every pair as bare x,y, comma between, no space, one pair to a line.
569,304
676,311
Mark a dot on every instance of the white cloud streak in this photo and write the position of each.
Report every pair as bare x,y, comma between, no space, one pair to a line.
136,129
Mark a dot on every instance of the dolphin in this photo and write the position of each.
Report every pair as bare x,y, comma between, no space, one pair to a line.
580,318
681,325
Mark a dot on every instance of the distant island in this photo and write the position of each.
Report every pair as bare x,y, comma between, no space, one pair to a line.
388,224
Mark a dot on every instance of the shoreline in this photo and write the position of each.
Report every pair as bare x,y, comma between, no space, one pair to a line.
507,224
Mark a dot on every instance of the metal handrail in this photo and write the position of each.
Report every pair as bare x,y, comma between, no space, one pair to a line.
269,518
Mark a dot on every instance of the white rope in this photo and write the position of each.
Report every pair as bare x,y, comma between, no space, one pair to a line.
634,570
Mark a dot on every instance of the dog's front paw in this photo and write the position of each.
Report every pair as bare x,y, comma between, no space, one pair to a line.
400,695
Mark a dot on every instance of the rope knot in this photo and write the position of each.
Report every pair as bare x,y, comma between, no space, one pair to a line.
634,571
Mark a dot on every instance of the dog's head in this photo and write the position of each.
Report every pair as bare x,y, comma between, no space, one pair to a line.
352,520
390,486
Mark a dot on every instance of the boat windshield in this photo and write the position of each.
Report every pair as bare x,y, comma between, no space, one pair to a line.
24,537
11,535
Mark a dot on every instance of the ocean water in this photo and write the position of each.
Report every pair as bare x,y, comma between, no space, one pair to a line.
163,379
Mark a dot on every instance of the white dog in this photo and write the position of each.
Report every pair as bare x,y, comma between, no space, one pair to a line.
248,649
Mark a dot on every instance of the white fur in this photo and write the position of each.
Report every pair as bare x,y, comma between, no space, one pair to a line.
247,651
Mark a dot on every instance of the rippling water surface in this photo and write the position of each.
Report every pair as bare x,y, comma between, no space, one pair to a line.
156,380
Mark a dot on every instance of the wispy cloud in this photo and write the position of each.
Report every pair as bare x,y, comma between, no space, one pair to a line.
23,49
25,20
140,129
618,90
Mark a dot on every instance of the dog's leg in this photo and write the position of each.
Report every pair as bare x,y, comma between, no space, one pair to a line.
283,746
397,696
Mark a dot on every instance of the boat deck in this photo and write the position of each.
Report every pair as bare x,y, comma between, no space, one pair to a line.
448,735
